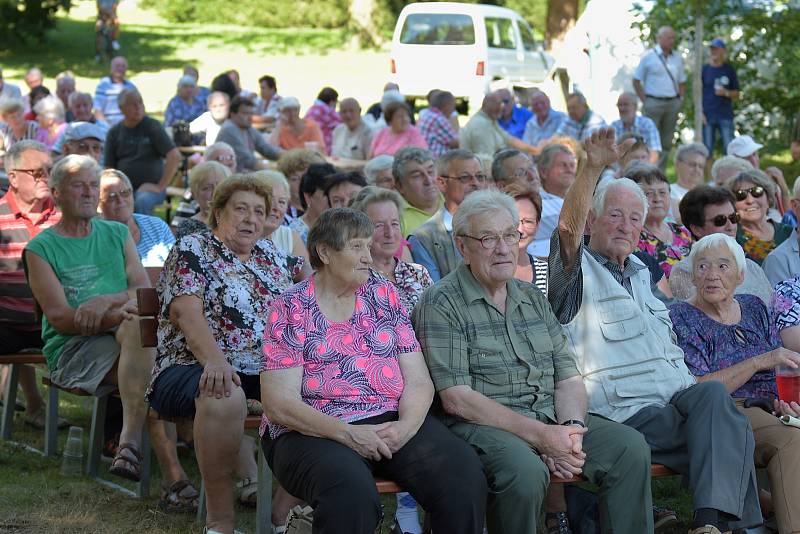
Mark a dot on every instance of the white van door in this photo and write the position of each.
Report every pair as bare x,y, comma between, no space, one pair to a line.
501,41
536,63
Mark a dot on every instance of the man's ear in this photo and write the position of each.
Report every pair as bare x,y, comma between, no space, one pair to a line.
591,219
461,246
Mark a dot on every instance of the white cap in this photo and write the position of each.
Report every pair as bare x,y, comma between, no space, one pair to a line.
77,131
743,146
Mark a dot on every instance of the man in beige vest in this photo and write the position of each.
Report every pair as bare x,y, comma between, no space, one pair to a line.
622,336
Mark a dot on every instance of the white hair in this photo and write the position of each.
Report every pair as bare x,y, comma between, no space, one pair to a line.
487,201
715,240
50,107
391,96
274,178
729,162
599,201
376,165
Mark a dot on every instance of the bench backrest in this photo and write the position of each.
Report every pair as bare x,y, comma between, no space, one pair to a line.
147,301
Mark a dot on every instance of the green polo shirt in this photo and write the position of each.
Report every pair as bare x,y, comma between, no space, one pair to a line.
514,358
412,218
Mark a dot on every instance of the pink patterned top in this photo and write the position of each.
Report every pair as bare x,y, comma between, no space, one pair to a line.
388,142
350,369
327,119
667,255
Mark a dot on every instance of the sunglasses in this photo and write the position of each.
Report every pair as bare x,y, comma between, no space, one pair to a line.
741,194
720,220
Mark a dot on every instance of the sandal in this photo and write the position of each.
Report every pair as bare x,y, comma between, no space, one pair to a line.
557,523
39,419
128,465
181,497
248,493
254,407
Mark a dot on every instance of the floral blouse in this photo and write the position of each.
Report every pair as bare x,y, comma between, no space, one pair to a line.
411,279
786,303
667,255
758,249
709,346
350,368
235,294
302,229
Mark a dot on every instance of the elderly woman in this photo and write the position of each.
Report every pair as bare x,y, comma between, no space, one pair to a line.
151,235
730,338
707,210
203,179
51,117
378,171
398,133
185,105
529,205
342,187
286,239
667,242
690,168
312,197
294,164
293,132
13,126
220,152
323,112
754,193
214,291
347,393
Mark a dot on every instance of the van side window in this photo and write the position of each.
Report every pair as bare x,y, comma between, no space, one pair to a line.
528,42
438,29
500,33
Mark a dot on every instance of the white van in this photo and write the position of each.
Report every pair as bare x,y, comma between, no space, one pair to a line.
463,48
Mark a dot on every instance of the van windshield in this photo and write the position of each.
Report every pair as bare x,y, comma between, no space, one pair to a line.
438,29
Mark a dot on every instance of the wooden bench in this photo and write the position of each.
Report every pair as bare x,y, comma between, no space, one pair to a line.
15,363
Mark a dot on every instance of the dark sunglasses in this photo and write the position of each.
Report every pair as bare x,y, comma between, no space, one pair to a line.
720,220
741,194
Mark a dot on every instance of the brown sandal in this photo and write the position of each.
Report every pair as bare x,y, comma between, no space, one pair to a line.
180,497
128,465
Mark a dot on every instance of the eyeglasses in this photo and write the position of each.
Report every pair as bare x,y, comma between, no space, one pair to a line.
720,220
38,175
490,242
524,172
466,178
125,194
741,194
221,158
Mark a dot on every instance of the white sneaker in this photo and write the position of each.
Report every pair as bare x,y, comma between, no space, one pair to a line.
115,44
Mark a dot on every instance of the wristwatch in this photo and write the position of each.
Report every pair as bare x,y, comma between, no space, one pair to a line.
574,422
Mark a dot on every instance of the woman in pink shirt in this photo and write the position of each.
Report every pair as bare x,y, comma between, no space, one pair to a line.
398,134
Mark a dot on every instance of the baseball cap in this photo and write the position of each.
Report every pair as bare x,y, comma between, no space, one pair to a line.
718,43
288,102
83,130
743,146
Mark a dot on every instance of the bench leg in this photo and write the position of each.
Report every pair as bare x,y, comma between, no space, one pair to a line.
9,401
143,487
96,434
51,423
201,504
264,496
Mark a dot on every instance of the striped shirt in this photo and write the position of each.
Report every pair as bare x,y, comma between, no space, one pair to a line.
155,241
643,126
7,137
105,98
16,229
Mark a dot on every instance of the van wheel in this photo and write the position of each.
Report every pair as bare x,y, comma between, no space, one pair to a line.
462,106
411,102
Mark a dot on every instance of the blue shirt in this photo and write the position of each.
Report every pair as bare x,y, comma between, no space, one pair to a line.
179,110
643,126
516,124
718,107
105,98
535,133
155,241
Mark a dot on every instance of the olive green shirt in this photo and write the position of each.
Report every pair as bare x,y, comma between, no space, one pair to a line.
412,218
514,358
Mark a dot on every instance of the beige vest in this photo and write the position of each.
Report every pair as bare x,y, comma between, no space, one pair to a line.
624,346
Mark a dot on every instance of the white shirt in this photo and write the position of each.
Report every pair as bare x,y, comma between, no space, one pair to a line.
676,192
551,210
654,77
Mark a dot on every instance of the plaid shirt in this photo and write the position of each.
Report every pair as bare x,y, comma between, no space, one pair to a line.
643,126
327,119
583,129
437,131
514,358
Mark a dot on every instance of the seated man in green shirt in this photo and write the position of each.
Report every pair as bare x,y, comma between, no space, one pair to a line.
84,272
507,383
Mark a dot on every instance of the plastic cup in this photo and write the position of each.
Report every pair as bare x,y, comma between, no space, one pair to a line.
788,381
72,460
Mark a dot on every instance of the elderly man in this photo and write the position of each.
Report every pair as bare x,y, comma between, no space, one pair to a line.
508,385
266,104
545,121
33,78
65,86
690,167
352,137
720,89
513,117
84,273
80,108
210,122
633,370
415,179
660,82
512,165
435,124
483,136
245,140
727,167
557,166
459,173
582,121
8,90
632,122
139,147
106,95
25,210
84,139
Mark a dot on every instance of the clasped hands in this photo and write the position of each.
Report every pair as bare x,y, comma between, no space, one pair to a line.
561,449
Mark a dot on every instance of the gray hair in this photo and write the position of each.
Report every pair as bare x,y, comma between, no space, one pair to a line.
10,105
77,95
599,200
729,162
457,154
14,153
498,163
717,239
441,99
373,194
203,171
125,93
211,151
50,107
334,228
64,77
691,149
68,166
406,155
756,177
480,203
630,94
376,165
114,173
548,154
274,178
390,96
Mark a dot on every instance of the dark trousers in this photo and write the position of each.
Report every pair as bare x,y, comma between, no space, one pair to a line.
438,469
13,339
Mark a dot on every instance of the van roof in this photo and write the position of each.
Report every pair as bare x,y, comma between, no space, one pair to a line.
457,7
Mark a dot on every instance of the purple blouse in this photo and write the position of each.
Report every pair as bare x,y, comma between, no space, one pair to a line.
709,346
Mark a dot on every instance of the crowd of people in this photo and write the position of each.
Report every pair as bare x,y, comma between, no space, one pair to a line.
470,311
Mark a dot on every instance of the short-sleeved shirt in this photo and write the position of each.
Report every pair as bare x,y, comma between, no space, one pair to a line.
412,217
312,133
206,125
483,136
437,131
387,142
351,144
514,358
86,267
666,254
16,230
7,137
155,241
235,295
652,72
786,303
717,107
709,346
535,133
643,126
105,98
515,125
351,369
139,152
582,129
784,261
180,110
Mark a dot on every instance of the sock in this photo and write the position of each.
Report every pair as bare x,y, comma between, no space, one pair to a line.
406,514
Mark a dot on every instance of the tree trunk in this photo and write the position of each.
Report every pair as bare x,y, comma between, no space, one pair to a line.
697,80
561,16
361,12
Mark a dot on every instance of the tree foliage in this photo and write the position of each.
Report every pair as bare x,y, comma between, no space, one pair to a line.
27,20
763,44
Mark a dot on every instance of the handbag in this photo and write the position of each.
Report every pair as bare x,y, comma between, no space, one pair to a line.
300,520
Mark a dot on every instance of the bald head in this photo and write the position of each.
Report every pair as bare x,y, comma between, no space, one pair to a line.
492,104
666,38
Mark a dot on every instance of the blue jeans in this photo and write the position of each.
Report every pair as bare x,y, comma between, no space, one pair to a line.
710,128
145,201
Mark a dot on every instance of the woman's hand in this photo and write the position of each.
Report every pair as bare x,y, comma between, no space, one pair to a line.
776,357
217,379
395,434
786,408
364,439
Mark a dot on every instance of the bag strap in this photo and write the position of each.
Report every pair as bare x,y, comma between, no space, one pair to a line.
669,73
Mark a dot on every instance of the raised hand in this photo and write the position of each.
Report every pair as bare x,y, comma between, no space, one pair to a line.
602,150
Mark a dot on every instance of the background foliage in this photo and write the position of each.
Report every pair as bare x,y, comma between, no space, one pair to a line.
28,19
